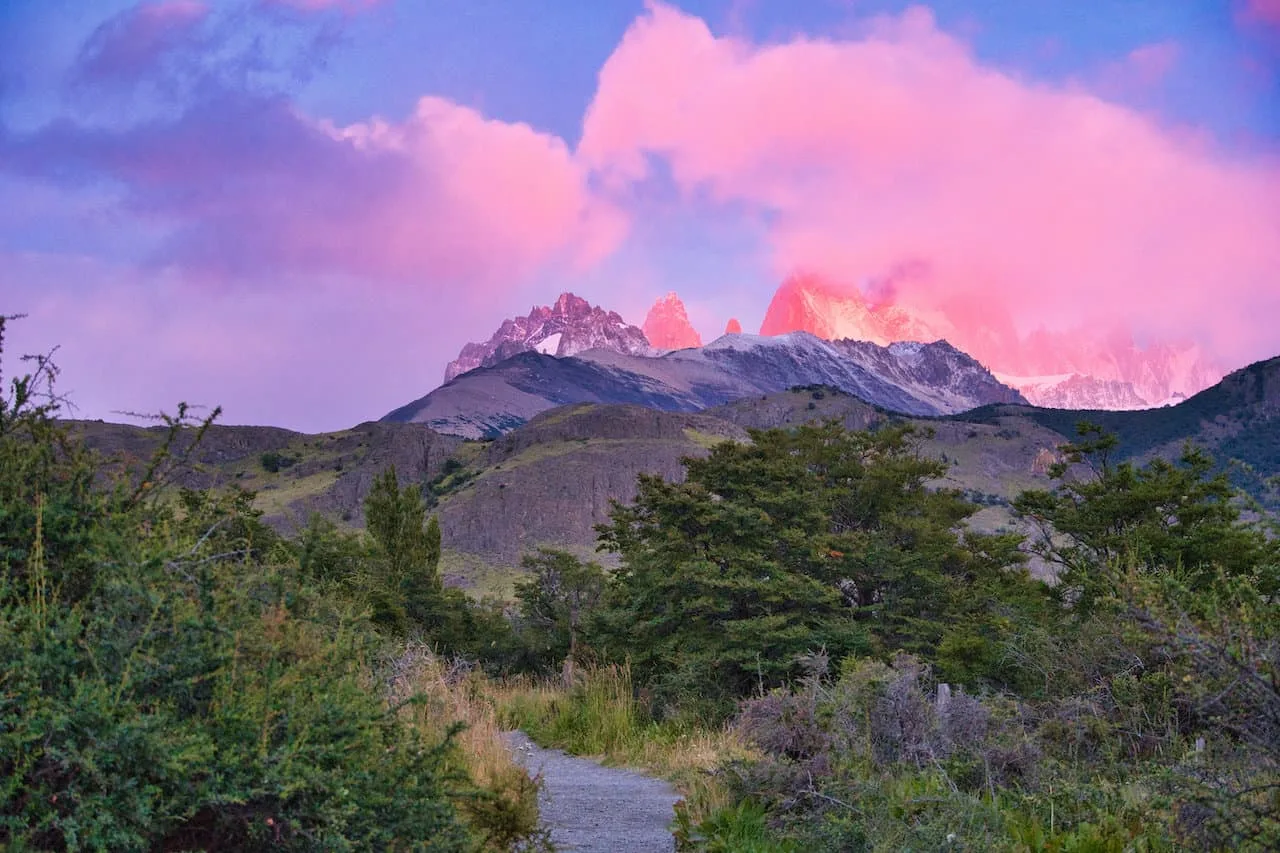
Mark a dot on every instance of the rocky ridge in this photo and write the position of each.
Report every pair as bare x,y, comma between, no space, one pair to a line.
569,326
915,379
1090,370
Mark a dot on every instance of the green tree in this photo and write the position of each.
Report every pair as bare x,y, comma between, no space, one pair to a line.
555,600
167,684
405,589
1160,516
816,537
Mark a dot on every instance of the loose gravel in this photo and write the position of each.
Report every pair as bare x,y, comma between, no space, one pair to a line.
593,809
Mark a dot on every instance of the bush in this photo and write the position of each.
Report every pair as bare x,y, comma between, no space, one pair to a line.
173,680
273,462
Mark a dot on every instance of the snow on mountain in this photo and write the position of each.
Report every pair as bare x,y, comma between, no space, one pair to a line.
667,326
1073,391
566,328
1088,370
917,379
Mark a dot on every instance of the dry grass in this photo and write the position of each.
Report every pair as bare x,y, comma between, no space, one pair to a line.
501,805
600,717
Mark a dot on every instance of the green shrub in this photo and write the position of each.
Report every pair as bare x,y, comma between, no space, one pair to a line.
273,461
170,682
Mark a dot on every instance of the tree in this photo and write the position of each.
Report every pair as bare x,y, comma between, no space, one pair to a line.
405,588
1157,517
556,599
816,537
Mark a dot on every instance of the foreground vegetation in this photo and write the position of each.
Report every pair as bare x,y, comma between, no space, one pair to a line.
802,635
177,677
873,678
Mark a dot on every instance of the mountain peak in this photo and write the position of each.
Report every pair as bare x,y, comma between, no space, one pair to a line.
568,303
1077,369
567,327
811,303
667,326
733,327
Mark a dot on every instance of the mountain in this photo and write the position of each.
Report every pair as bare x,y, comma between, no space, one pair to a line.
1074,391
667,325
733,327
1236,420
806,302
1065,370
568,327
916,379
548,481
551,481
293,474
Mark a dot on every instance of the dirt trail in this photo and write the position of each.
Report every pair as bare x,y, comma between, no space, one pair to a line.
595,809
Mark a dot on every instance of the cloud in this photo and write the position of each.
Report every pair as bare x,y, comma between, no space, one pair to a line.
307,354
1045,205
131,44
1265,12
1151,63
248,187
324,5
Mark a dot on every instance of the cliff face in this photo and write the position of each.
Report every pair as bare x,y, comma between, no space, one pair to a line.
667,326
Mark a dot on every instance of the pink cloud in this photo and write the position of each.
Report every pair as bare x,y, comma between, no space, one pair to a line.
1261,12
249,187
1151,63
1046,205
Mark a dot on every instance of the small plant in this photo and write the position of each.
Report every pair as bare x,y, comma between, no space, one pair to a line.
273,461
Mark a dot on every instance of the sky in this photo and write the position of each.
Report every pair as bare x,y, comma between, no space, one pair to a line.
300,210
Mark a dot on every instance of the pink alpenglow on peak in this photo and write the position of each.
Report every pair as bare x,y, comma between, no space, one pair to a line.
733,327
570,326
810,303
668,326
1079,368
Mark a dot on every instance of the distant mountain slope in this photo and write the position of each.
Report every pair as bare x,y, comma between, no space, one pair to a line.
917,379
551,481
1237,420
329,473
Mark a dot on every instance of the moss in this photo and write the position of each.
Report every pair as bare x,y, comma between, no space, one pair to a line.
704,440
278,498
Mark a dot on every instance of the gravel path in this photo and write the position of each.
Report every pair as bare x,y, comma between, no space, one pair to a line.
595,809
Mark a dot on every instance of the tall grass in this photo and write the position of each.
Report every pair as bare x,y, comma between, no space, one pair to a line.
600,716
434,694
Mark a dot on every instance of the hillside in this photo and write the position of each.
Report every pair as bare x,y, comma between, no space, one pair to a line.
549,481
1237,421
294,474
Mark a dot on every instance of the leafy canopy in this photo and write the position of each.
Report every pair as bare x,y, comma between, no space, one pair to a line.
814,537
1157,517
